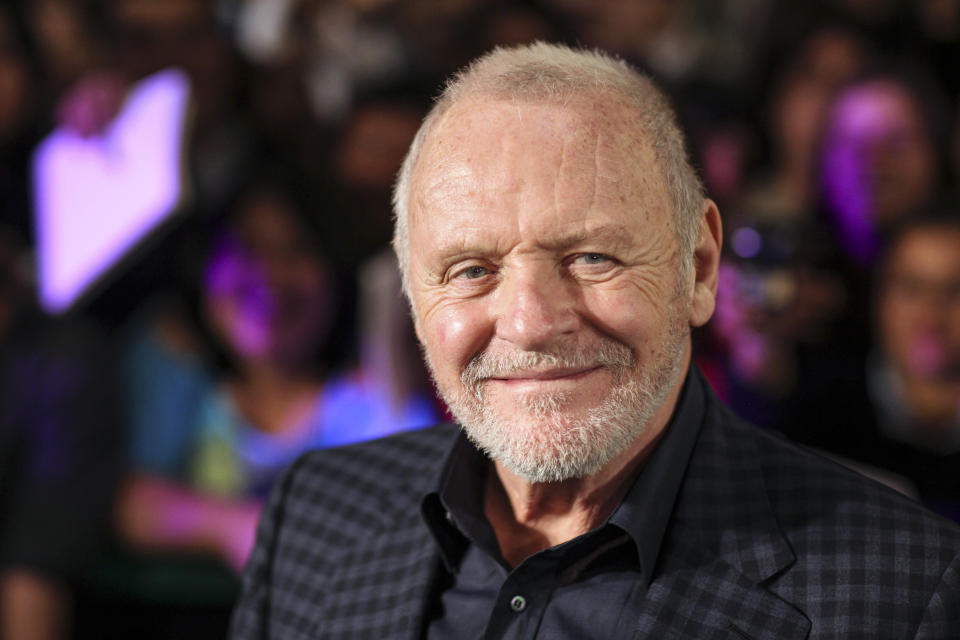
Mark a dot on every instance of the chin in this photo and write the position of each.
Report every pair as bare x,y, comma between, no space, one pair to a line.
546,440
553,449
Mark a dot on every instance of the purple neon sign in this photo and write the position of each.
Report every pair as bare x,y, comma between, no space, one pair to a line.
96,198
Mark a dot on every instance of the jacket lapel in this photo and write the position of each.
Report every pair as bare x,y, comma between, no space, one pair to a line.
697,594
723,547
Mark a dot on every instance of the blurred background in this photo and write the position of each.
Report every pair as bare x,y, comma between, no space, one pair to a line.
196,284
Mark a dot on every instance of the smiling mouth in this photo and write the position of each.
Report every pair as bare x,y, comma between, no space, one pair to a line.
545,375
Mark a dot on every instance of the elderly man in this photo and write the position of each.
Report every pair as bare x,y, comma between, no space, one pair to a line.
556,249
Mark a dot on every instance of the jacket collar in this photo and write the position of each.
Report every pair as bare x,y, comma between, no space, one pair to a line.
724,497
724,546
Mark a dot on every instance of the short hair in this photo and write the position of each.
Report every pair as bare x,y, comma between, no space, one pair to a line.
542,72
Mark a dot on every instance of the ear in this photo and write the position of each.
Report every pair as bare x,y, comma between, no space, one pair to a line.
706,261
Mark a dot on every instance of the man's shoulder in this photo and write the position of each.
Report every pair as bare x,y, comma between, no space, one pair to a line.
340,537
767,522
400,456
825,508
805,482
365,486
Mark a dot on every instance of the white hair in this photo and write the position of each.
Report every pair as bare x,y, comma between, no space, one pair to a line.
543,72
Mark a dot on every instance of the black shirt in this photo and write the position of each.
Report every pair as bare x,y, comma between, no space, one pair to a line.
588,587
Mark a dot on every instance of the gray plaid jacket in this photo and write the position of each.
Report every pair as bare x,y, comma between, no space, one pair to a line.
765,541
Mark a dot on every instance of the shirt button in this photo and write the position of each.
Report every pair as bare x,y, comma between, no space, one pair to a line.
518,603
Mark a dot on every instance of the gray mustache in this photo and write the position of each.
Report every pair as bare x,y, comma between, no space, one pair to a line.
485,365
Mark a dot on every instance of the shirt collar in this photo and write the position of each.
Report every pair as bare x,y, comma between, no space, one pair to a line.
645,511
453,510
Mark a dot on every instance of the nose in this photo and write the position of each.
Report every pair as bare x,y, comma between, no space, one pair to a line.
533,307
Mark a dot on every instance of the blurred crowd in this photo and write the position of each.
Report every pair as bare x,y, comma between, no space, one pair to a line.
140,433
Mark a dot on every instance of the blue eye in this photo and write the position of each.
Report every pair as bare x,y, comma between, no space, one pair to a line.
594,258
476,271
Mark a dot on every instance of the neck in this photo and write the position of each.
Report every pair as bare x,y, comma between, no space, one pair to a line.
529,517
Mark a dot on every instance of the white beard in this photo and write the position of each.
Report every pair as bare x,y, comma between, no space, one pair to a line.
539,441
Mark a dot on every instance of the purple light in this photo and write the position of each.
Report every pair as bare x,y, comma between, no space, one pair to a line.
746,242
872,130
96,198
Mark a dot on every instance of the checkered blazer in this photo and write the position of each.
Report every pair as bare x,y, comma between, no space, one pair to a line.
766,541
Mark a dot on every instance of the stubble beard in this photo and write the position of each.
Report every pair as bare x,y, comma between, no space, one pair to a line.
540,441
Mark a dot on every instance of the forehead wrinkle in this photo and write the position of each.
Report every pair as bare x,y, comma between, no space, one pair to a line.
476,242
449,173
605,236
564,162
622,161
601,141
456,183
596,170
581,154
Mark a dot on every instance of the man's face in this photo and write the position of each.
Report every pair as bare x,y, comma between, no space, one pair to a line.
919,305
545,280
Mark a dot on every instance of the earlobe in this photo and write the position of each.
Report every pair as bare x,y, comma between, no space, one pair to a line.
706,261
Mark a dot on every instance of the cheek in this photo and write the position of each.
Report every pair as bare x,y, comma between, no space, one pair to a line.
453,335
625,317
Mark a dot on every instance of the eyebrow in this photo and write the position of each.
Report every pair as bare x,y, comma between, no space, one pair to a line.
615,235
609,236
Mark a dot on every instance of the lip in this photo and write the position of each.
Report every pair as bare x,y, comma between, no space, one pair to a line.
546,375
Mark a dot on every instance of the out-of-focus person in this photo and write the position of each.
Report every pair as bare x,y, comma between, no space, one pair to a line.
66,42
882,159
781,297
370,148
364,161
269,300
264,381
686,41
339,49
899,410
778,303
59,456
795,110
